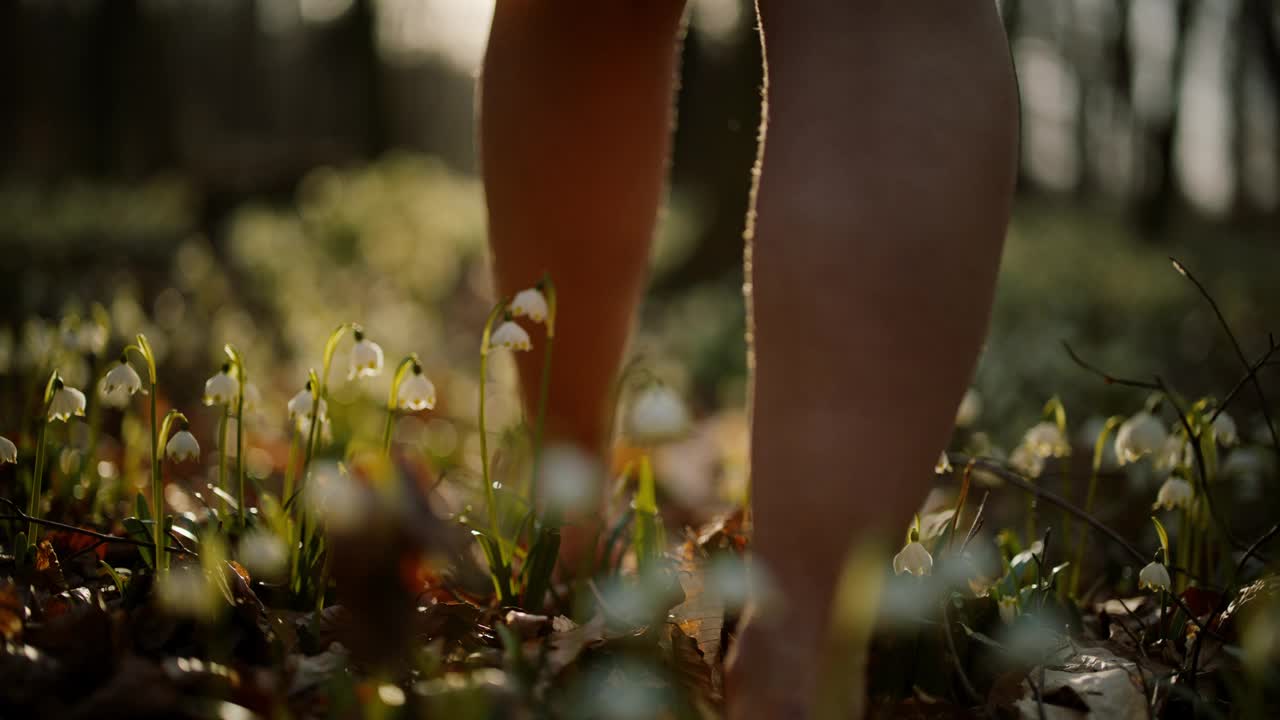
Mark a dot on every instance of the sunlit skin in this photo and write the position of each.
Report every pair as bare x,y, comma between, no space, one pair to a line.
884,192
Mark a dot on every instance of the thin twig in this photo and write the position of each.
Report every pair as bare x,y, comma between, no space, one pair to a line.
1235,344
1108,378
102,537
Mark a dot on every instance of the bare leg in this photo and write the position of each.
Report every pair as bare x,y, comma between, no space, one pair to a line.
887,178
575,119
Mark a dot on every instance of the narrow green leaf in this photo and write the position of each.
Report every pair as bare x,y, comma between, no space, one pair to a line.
1164,537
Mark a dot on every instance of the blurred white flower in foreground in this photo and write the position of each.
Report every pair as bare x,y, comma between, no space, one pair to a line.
913,559
970,408
510,336
1224,429
1174,493
568,479
1142,434
657,413
182,446
529,303
8,451
416,392
67,401
300,405
187,592
221,389
1154,577
1046,440
264,555
1008,607
121,378
366,357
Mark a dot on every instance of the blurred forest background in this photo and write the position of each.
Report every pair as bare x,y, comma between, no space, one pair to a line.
259,170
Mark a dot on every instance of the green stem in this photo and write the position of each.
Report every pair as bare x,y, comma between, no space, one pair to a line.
393,399
240,464
1099,449
37,479
489,497
157,489
222,449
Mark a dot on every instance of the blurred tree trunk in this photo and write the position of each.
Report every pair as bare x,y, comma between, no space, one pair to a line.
1159,196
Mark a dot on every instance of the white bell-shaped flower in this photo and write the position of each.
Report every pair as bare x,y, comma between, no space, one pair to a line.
221,389
970,408
300,405
1140,435
67,401
366,357
8,451
1224,429
416,392
1174,493
182,446
1155,576
656,414
1046,440
530,303
913,559
122,377
117,398
943,466
510,336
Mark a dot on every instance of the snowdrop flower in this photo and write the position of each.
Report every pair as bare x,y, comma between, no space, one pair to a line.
1140,435
913,559
221,389
657,414
416,392
300,404
1176,452
117,398
366,357
529,303
67,401
1224,429
1154,577
1026,461
970,408
326,428
943,465
8,451
510,336
1046,440
1174,493
122,377
182,446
